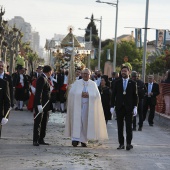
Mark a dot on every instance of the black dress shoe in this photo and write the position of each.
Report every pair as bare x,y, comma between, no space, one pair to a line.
41,142
128,147
140,129
121,147
83,144
16,108
53,110
21,109
150,124
75,143
35,143
134,129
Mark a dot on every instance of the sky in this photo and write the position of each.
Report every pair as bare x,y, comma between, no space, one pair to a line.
49,17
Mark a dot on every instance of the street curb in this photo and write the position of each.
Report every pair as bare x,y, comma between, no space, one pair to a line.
162,119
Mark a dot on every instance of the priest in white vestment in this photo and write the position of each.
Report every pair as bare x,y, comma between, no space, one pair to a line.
85,118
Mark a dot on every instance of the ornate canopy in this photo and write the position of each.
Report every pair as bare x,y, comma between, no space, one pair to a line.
69,39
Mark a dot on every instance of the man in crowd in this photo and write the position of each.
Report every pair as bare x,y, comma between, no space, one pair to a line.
38,71
8,78
141,92
42,97
115,76
63,82
150,99
124,102
85,118
78,74
21,85
4,102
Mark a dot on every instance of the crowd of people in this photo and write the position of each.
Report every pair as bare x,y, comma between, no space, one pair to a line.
92,100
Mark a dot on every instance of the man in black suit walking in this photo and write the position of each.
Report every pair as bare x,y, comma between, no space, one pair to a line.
42,96
8,78
150,99
124,102
4,102
141,92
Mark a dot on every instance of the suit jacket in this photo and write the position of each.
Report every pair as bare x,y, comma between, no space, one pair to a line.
42,93
4,98
16,80
60,80
112,82
155,91
129,100
8,78
141,89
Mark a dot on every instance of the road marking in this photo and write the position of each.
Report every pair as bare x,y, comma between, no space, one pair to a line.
159,165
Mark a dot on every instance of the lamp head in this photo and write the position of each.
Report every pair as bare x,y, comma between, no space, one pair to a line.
98,1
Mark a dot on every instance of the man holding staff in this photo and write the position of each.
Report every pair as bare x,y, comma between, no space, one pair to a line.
42,106
4,102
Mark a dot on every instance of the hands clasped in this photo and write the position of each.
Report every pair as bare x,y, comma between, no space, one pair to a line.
85,95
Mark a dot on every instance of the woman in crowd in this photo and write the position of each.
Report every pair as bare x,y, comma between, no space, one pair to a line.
105,97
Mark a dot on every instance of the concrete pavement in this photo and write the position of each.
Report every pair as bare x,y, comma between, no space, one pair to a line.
151,148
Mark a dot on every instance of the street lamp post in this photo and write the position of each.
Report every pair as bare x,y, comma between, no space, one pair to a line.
89,56
145,42
115,40
99,56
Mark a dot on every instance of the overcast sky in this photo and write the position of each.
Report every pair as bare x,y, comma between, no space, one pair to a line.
54,16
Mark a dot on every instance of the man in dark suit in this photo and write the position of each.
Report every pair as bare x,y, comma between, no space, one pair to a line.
150,99
8,78
115,76
42,96
124,101
4,102
37,73
78,74
141,92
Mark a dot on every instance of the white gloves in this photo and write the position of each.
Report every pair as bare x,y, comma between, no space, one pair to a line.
33,89
4,121
135,111
51,88
112,110
40,108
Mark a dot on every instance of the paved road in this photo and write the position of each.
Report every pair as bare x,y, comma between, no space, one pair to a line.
151,148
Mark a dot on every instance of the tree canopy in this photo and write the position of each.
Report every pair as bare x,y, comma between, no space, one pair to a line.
124,49
95,38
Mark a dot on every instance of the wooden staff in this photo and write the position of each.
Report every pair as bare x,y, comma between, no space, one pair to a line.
7,113
41,112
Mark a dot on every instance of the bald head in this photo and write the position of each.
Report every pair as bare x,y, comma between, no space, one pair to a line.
87,71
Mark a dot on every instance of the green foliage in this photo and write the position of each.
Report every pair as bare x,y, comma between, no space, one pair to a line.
128,64
20,61
106,42
32,57
93,64
94,29
95,38
124,48
158,66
